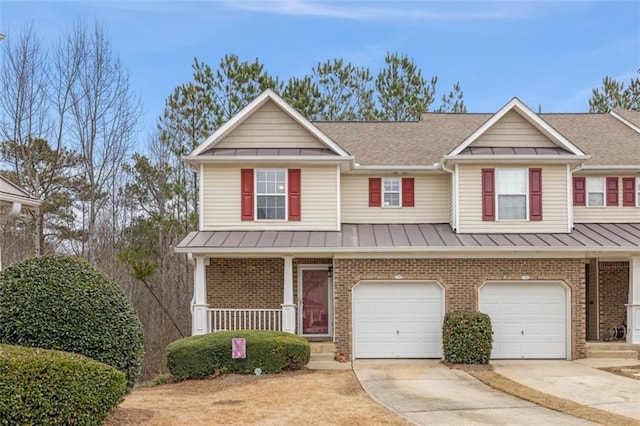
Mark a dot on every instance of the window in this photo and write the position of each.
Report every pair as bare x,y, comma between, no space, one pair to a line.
511,190
595,192
391,192
271,192
638,191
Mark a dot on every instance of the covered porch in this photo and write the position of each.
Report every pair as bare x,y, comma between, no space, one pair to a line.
613,298
284,293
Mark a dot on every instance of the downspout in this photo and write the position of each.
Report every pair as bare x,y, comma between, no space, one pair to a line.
192,262
570,194
454,195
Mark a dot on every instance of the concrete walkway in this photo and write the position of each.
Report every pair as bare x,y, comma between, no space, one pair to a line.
428,393
578,381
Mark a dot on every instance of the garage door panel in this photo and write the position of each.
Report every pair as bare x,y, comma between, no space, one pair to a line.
529,318
397,320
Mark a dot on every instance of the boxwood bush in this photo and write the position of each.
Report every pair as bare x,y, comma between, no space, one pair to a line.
467,337
46,387
63,303
271,351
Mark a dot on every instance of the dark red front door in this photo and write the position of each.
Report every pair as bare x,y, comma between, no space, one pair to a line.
315,302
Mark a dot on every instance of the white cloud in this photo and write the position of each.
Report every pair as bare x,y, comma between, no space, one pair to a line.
394,11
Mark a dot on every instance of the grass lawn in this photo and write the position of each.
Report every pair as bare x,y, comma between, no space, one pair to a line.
306,396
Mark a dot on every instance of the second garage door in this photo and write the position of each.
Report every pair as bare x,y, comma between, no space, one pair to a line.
397,319
529,319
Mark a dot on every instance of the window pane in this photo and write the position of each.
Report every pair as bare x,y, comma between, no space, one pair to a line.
596,199
392,184
512,207
595,184
391,199
511,181
270,207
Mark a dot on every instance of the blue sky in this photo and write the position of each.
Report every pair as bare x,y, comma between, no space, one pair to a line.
548,53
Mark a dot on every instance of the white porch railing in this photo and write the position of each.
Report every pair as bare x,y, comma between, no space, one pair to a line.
245,319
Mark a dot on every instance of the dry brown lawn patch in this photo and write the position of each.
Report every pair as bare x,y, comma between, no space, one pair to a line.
631,371
506,385
306,396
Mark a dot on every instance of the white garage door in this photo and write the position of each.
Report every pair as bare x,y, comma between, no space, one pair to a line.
397,320
529,319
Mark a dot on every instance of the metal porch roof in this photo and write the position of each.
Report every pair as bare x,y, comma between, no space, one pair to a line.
615,237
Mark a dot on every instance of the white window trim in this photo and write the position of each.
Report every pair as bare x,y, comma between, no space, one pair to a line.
286,195
526,195
382,192
637,191
587,192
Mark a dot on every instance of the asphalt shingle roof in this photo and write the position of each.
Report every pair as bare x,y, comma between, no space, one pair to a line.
608,140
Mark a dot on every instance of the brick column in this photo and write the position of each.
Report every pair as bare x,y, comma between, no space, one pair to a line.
199,306
288,307
633,308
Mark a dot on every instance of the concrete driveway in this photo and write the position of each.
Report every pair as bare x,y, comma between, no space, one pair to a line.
428,393
578,381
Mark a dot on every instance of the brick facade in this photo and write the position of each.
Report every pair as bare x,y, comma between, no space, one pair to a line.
251,283
258,283
613,292
461,279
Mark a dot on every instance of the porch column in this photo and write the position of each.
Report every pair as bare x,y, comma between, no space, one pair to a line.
199,306
288,307
633,308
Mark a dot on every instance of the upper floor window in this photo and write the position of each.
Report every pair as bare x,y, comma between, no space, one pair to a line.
271,194
638,191
391,192
595,192
511,191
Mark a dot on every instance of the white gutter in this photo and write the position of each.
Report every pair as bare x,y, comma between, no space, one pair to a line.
245,158
515,157
611,168
270,251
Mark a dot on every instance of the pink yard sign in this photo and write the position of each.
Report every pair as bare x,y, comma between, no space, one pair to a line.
238,348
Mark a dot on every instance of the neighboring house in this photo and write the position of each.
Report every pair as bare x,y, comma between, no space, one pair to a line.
12,200
366,233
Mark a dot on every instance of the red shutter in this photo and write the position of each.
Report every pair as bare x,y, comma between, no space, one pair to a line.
629,192
488,195
294,194
408,198
375,192
535,194
246,188
579,191
612,191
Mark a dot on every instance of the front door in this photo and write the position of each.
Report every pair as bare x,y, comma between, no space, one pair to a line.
315,303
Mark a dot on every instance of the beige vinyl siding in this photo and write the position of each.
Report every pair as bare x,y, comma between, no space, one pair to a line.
513,131
554,202
431,194
270,127
607,214
221,201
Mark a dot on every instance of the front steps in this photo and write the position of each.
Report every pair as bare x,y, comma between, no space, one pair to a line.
619,350
322,357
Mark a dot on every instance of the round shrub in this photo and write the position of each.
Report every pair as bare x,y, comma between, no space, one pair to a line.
270,351
41,386
467,337
63,303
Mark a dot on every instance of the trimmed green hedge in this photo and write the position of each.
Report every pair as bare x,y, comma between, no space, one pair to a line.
467,337
63,303
41,386
271,351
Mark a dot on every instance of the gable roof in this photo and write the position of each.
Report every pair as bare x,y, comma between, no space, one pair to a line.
534,119
250,109
628,117
12,193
